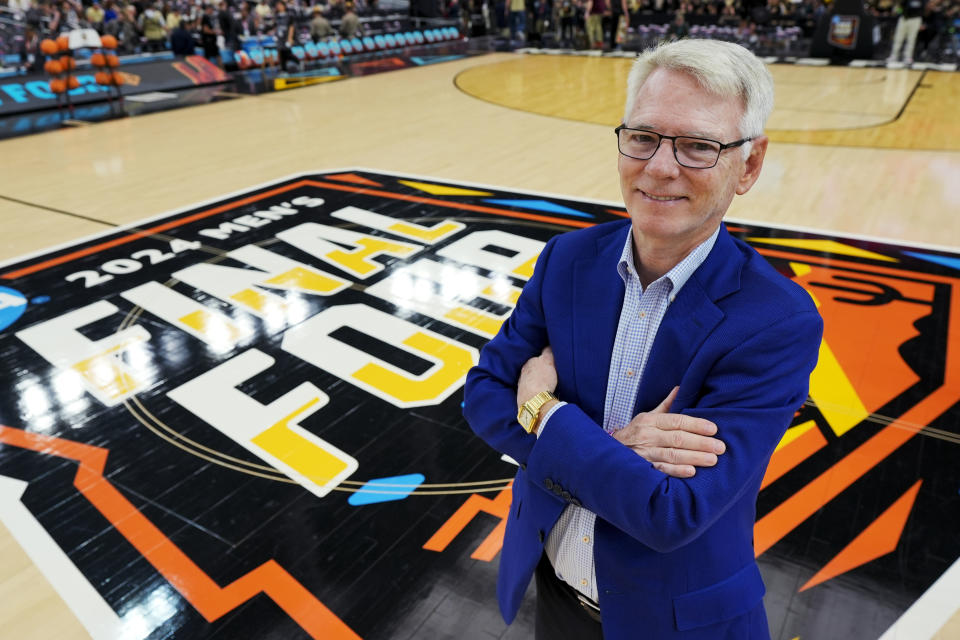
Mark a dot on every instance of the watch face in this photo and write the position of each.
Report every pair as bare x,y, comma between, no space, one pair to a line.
525,418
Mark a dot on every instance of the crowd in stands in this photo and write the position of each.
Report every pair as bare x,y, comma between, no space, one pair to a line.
183,25
607,23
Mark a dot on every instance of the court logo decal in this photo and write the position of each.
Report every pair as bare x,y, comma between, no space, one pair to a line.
261,395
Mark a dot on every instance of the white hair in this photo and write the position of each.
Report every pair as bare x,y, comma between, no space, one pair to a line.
724,69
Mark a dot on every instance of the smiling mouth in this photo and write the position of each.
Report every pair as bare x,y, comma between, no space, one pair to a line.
661,198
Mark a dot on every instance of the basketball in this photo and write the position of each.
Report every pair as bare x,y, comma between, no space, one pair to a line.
108,42
98,60
53,67
49,47
58,85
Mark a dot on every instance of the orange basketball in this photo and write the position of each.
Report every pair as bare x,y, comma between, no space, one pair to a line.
49,47
72,82
102,77
108,42
112,60
57,85
63,43
98,60
117,78
53,67
68,63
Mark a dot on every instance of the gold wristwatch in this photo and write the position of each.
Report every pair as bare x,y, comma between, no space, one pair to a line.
529,414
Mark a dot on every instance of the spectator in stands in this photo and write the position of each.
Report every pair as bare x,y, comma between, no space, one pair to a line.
566,13
928,40
94,15
154,28
31,57
283,29
69,16
263,11
208,34
517,19
173,17
249,21
678,28
53,18
619,11
953,28
109,13
124,29
320,27
229,27
350,23
908,26
335,10
181,39
728,15
595,10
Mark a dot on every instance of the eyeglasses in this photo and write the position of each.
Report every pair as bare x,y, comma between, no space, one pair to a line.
693,153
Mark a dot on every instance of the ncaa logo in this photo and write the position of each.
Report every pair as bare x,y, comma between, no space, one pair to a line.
12,306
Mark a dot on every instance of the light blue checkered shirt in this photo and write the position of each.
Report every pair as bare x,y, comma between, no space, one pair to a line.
570,544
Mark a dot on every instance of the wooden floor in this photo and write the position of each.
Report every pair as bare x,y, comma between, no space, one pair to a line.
870,152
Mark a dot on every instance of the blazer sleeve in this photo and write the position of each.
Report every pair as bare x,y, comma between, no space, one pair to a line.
490,391
751,393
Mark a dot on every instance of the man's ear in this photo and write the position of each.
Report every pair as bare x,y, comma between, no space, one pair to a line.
751,168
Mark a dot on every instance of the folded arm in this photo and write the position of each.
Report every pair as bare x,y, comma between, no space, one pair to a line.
750,394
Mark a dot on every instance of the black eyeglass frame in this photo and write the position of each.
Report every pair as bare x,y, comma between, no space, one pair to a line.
673,143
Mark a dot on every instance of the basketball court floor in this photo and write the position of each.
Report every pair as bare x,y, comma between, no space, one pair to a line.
234,339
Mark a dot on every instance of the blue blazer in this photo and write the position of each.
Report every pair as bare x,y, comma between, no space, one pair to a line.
674,557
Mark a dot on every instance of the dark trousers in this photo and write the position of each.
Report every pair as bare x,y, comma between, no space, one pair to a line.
560,616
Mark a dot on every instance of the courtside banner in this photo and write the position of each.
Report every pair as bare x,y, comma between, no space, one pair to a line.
243,419
19,94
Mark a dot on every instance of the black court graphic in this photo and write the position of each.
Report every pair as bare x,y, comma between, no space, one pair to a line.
243,419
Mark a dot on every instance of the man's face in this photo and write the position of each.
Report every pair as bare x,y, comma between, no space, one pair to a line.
671,203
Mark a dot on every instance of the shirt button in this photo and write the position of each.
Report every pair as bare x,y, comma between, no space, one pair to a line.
586,539
583,582
629,373
643,314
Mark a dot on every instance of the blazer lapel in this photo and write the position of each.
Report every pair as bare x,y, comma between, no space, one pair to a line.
596,303
689,320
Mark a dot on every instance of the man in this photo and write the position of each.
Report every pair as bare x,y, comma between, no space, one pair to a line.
208,34
595,11
229,26
154,28
678,28
648,533
181,39
350,26
908,26
320,27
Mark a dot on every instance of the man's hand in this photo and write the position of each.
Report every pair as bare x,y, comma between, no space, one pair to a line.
538,374
674,443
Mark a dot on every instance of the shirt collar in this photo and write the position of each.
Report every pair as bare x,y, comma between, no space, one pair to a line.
676,277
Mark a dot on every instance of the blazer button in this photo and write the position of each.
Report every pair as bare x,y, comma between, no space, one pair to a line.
523,466
557,489
540,535
566,495
548,483
575,502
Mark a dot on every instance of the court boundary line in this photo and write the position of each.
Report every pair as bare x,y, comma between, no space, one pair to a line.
903,108
135,227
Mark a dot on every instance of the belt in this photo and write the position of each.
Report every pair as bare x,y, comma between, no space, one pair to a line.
589,606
